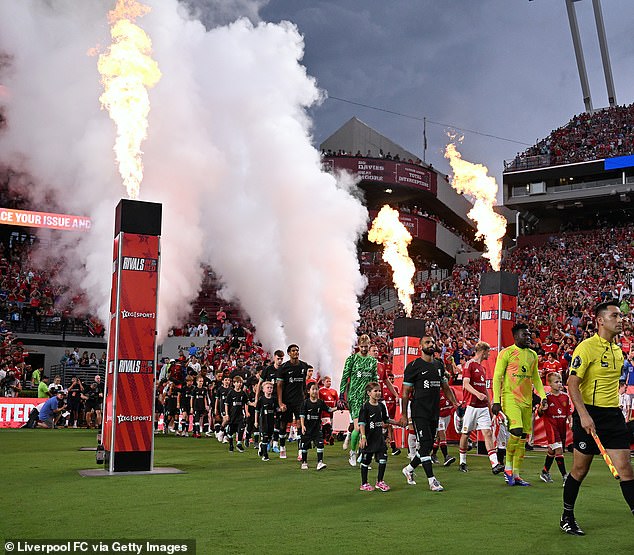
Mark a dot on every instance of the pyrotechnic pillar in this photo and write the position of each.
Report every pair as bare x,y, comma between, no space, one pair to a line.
498,308
127,431
406,348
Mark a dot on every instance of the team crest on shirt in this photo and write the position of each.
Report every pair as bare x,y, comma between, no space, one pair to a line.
576,362
582,445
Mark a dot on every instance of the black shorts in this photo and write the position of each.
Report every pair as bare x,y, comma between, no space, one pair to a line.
425,429
235,426
611,429
286,417
379,455
315,438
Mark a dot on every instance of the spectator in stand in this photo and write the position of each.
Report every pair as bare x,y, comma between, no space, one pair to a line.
42,389
221,316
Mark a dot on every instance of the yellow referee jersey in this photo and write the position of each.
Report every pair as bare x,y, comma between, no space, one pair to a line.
598,363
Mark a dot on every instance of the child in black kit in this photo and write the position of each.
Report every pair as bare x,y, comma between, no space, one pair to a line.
265,418
310,418
200,404
236,410
372,419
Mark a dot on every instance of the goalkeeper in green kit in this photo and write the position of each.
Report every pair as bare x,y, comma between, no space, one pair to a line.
358,371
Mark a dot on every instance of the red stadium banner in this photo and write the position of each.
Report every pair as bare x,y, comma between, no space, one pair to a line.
385,172
128,424
49,220
406,348
14,411
418,226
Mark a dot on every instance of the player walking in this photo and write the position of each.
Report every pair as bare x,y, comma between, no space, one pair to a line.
358,370
423,378
477,415
515,375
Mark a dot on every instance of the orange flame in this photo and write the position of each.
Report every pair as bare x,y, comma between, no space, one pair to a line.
127,70
473,179
387,230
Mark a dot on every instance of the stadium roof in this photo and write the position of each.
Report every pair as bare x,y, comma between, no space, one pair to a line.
354,135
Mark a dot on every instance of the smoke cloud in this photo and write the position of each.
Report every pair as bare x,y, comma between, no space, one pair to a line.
229,155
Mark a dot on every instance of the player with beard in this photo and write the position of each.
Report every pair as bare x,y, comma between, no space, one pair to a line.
423,378
358,371
291,387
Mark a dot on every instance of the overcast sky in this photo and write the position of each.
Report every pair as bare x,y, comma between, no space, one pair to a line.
503,67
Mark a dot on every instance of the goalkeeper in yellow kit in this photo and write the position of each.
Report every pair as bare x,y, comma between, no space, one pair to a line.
515,375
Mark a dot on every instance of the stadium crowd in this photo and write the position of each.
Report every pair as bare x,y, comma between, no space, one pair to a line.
587,136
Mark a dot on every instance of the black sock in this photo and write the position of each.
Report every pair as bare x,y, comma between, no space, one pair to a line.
393,445
427,467
304,456
364,474
443,449
434,450
231,443
548,463
571,491
320,455
415,461
627,488
501,455
561,464
282,441
382,467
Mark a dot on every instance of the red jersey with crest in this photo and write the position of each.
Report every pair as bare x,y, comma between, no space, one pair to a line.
478,380
559,408
329,396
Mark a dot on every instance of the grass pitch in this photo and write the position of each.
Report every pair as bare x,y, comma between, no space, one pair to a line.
235,503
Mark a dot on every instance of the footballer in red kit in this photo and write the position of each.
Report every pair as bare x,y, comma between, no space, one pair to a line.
477,414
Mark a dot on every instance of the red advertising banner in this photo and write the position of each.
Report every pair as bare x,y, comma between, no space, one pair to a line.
14,411
386,172
419,227
136,333
497,317
49,220
112,348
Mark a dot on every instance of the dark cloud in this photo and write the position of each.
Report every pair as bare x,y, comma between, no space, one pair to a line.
502,67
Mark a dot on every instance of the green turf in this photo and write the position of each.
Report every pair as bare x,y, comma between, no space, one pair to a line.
235,503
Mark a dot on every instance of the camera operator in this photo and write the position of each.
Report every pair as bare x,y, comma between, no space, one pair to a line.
51,411
10,386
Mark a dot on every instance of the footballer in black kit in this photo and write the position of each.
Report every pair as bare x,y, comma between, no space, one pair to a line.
291,385
423,378
310,416
269,374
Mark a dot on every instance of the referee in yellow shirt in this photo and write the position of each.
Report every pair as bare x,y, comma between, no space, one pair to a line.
593,386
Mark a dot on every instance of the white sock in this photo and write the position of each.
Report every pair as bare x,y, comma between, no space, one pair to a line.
463,458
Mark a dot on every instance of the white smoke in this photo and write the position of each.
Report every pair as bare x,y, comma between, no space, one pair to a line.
229,156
